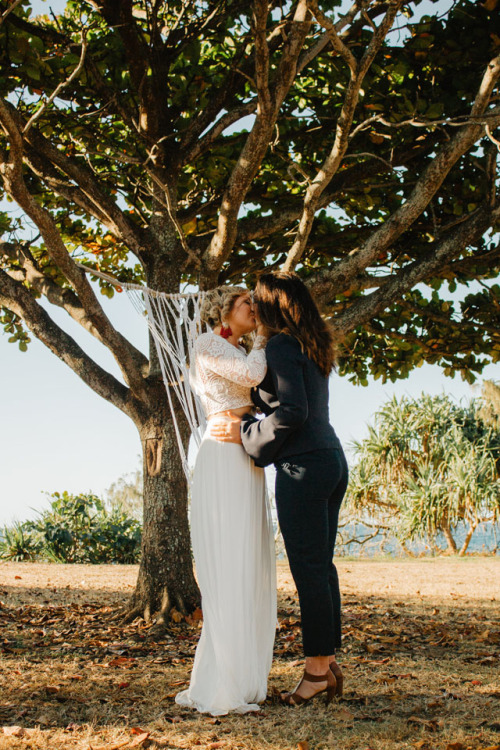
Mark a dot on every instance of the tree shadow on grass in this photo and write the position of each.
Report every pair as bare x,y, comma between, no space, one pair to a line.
414,672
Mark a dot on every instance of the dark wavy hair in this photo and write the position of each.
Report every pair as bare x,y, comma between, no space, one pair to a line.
286,306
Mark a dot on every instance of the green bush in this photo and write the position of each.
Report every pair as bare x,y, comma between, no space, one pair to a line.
76,529
19,543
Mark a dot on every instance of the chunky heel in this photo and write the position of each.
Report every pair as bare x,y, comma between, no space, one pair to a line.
331,692
295,699
339,678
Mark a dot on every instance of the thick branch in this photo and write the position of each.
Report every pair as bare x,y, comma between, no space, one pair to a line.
261,56
426,186
376,9
16,298
105,209
350,177
336,42
12,173
256,144
369,306
344,122
29,271
230,118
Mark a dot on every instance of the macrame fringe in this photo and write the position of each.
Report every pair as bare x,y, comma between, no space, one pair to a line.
175,323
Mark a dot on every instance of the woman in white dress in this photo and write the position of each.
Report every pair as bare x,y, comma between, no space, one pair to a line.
231,530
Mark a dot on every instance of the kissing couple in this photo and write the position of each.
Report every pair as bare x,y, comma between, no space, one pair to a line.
285,377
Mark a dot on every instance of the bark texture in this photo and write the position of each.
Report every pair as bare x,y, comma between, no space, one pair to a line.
166,580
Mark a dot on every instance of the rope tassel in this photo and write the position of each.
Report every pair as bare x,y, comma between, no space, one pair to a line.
175,322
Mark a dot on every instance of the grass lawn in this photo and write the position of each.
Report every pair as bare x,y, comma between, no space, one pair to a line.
420,657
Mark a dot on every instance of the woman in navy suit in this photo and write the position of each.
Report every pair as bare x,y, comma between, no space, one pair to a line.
311,471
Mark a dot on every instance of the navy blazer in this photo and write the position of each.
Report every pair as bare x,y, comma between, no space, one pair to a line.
294,398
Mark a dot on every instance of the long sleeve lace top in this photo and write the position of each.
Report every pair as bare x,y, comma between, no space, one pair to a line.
223,375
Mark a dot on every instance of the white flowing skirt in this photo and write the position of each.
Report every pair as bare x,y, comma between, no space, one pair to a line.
233,548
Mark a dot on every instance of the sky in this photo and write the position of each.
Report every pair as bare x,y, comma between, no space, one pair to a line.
56,434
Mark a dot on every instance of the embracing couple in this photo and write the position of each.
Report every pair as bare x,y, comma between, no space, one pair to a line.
284,376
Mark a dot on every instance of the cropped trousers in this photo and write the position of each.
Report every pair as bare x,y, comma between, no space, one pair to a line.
309,491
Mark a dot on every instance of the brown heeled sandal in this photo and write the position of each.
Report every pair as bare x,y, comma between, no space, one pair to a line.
339,678
294,699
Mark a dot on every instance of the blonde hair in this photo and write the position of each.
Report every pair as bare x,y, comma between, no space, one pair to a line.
218,303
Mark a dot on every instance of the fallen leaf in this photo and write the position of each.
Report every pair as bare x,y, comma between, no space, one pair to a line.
137,730
484,636
120,661
455,746
197,614
113,746
123,685
422,745
18,578
344,715
476,682
52,688
140,739
438,703
431,725
304,745
14,731
215,745
372,648
175,615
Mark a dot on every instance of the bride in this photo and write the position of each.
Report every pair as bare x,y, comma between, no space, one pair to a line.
231,529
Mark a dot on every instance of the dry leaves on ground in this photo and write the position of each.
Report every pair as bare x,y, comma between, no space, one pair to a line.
418,676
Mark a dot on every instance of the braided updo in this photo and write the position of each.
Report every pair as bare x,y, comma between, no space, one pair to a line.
218,303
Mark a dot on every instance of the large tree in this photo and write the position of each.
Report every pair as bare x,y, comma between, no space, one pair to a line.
200,142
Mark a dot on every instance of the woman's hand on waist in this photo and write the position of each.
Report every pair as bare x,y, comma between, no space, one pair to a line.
225,428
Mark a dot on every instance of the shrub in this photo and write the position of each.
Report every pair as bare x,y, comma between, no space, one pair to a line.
76,529
19,543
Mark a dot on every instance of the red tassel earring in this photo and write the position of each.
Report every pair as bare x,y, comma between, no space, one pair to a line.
225,332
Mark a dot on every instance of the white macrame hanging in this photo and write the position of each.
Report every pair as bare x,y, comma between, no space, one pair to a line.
175,322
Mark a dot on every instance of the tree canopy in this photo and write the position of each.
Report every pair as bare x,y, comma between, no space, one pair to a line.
225,138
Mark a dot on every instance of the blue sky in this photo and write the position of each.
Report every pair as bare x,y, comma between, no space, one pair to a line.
56,434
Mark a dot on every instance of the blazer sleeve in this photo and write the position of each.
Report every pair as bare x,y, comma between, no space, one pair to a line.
263,438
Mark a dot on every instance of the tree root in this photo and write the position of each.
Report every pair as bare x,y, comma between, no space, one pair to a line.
129,615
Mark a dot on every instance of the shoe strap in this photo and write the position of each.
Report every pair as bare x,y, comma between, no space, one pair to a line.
316,677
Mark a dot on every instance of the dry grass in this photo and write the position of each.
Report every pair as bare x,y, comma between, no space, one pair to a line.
420,658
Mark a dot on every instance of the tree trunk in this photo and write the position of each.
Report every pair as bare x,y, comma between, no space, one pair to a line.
467,539
166,579
452,545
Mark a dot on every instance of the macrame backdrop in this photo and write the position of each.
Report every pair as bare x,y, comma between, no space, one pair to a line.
175,323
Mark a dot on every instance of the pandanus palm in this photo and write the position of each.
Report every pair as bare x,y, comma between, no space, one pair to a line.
428,465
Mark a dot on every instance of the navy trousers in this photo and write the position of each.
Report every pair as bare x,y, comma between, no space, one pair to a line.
309,492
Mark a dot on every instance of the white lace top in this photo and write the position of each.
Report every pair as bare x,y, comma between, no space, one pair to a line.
222,375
